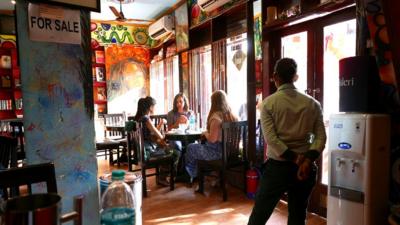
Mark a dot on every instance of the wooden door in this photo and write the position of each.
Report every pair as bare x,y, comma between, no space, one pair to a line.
317,46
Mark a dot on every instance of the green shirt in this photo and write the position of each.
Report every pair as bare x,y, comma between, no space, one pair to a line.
292,120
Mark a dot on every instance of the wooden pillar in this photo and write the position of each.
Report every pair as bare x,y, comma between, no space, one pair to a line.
251,82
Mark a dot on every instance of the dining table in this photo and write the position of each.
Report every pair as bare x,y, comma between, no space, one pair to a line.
186,137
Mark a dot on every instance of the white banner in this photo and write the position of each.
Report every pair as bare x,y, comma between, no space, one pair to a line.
48,23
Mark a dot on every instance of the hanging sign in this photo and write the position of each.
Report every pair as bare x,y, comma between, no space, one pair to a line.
48,23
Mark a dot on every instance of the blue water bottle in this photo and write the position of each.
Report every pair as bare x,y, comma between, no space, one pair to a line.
192,122
117,202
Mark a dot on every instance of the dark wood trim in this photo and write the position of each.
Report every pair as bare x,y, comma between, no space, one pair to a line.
75,6
391,10
251,83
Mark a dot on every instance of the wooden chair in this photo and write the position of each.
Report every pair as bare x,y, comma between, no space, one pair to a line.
114,136
259,145
112,123
157,118
234,154
8,151
11,179
17,131
136,156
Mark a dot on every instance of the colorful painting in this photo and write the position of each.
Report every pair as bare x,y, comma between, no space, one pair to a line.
182,28
105,33
127,76
58,124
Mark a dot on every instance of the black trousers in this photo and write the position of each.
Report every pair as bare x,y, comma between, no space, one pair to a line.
278,178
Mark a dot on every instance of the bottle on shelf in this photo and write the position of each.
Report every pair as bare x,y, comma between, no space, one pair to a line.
117,202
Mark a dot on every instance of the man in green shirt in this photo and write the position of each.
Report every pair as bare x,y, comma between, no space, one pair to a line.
292,125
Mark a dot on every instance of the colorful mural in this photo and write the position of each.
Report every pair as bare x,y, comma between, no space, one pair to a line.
59,127
104,33
127,76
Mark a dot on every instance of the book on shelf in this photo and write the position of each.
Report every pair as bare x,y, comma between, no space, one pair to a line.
101,108
101,94
5,81
6,104
99,56
100,74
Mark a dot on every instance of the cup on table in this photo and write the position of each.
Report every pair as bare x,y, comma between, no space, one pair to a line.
182,127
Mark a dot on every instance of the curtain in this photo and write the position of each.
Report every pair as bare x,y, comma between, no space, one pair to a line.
171,81
157,85
200,82
219,65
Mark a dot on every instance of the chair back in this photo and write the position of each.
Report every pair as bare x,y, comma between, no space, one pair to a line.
259,145
8,151
234,137
13,178
135,144
17,131
157,118
112,121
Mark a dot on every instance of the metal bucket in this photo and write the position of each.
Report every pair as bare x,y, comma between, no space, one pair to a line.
36,209
134,180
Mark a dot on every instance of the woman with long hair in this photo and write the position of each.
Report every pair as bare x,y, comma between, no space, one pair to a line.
154,142
180,112
220,112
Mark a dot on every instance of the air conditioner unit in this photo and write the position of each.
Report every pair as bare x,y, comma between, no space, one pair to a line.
210,5
161,27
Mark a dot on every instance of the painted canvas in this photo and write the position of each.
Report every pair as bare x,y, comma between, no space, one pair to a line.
182,28
127,76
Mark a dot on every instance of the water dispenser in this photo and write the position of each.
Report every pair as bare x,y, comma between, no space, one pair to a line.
358,184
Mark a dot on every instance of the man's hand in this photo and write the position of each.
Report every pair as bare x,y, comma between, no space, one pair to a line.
304,169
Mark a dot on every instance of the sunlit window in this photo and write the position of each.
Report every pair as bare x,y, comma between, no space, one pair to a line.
295,46
236,61
200,82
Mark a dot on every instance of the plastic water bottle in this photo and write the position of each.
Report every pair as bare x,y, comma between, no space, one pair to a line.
117,203
192,122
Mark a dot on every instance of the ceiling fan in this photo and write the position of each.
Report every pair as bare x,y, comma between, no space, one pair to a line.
119,14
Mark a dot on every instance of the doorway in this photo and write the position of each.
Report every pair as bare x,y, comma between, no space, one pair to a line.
317,46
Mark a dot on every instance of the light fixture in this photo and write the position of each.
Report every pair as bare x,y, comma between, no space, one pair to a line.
13,2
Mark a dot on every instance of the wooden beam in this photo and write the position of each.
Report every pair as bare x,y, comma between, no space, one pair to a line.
391,10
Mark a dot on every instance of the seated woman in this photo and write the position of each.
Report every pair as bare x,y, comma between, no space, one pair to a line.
220,112
154,142
179,114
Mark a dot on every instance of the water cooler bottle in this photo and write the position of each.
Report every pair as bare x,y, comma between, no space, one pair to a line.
358,169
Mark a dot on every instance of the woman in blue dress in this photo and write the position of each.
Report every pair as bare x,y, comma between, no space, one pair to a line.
179,114
154,142
220,112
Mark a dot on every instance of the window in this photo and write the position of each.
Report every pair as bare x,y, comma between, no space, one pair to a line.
236,66
164,83
200,82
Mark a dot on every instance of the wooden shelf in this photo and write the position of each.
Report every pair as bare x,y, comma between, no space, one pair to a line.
312,13
100,102
99,83
98,64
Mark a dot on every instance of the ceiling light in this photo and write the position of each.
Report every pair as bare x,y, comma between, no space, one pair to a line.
13,2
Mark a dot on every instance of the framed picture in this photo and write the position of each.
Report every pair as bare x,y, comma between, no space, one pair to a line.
182,28
92,5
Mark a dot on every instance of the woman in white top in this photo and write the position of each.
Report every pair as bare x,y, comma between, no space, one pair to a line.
220,112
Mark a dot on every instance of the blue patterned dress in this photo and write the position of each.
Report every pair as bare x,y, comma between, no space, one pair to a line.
207,151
